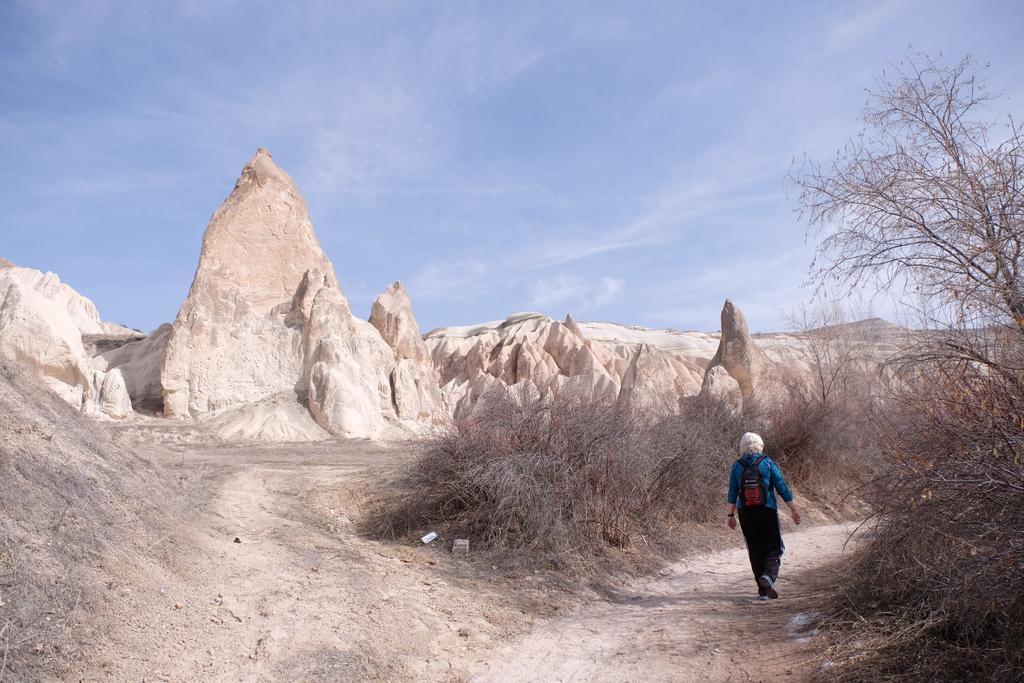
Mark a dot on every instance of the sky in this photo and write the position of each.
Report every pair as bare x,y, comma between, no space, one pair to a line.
622,161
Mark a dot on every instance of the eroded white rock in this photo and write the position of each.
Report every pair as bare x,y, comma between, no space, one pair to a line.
346,376
413,380
231,343
42,321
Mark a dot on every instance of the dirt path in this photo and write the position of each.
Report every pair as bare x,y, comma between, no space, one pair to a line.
697,621
302,596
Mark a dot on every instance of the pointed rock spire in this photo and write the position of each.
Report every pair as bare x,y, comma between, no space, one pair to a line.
413,381
736,352
230,343
393,317
571,325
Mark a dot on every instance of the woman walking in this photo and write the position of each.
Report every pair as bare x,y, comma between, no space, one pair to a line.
753,482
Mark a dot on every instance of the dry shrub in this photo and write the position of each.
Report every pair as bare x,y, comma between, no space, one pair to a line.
697,445
823,450
940,588
796,430
565,479
825,444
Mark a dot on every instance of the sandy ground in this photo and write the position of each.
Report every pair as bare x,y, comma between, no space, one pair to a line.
698,620
302,596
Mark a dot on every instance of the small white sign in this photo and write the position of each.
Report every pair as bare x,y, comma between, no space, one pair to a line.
429,537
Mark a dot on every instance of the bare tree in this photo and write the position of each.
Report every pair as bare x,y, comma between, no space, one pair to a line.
838,354
931,197
927,196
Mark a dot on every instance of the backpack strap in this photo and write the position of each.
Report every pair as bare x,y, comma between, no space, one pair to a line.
768,479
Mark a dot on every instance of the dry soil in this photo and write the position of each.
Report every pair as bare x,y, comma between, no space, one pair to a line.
300,595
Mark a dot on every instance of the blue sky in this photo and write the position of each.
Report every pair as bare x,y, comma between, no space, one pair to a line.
619,161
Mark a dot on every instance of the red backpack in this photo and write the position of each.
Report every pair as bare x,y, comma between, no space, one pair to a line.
753,491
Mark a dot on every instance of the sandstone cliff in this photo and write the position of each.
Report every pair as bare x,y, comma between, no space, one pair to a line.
42,323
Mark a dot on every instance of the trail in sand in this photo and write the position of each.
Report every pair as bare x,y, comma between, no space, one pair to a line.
698,621
303,597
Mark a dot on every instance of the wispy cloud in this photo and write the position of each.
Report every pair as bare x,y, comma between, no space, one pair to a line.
671,217
576,293
853,27
375,137
450,279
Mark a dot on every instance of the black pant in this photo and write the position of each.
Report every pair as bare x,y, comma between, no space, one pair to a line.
764,541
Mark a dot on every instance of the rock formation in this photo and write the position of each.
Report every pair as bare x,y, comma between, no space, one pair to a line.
736,354
649,367
42,322
413,381
347,363
139,363
265,319
265,346
655,380
720,385
230,343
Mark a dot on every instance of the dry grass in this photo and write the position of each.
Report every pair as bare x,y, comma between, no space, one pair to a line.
73,515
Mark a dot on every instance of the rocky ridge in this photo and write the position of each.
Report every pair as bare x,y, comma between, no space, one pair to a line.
653,368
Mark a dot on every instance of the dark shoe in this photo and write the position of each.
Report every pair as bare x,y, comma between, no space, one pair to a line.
768,585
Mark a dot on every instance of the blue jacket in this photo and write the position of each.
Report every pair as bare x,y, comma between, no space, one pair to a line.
773,481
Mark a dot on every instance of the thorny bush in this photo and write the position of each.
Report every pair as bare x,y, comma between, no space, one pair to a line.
941,584
567,479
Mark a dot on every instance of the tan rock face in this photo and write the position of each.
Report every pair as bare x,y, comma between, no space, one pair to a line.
737,353
230,343
720,385
140,363
413,380
346,375
81,310
113,395
41,325
265,317
656,380
38,333
392,315
649,367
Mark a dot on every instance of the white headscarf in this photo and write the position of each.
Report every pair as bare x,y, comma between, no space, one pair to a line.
751,443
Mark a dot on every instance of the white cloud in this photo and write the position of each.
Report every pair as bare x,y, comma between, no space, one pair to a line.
574,292
367,141
449,279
